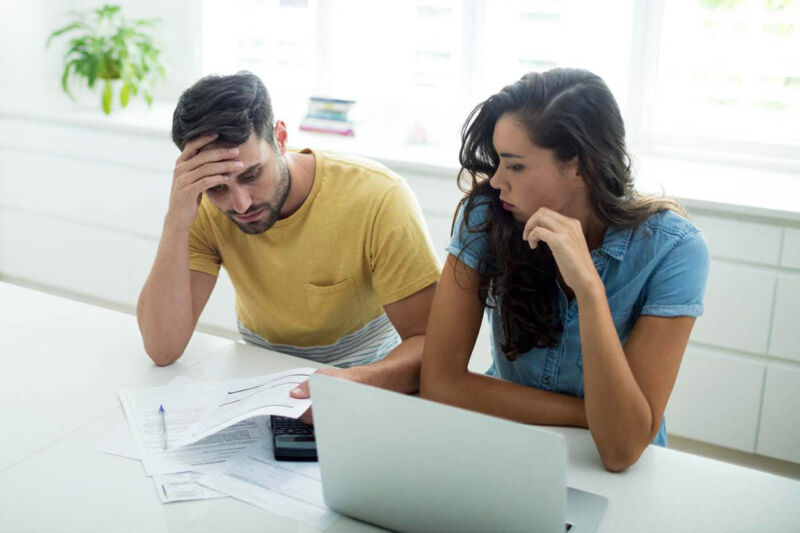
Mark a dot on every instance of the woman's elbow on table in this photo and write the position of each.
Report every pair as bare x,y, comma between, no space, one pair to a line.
427,384
434,381
620,458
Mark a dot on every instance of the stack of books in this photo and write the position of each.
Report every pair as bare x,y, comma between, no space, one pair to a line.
328,115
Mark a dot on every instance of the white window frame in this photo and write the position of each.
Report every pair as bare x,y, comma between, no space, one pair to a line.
640,100
642,95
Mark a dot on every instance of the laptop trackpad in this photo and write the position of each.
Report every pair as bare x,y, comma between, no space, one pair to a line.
584,510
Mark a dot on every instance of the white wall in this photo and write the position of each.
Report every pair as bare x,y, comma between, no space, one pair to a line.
23,32
25,26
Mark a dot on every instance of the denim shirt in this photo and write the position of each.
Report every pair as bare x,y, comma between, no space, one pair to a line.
658,268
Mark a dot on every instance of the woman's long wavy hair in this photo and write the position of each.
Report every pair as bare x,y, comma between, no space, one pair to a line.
573,113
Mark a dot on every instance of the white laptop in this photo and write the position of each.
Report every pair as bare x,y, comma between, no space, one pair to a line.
409,464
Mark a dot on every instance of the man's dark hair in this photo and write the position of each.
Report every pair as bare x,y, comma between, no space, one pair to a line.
232,106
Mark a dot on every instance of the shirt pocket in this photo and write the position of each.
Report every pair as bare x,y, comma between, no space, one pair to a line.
333,309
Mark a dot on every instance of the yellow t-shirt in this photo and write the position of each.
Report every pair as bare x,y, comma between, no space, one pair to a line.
357,243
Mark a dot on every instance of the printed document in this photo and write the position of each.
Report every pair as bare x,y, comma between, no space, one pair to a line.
183,407
204,424
183,487
245,398
287,488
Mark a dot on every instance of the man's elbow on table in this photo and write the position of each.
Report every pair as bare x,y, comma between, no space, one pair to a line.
161,346
161,355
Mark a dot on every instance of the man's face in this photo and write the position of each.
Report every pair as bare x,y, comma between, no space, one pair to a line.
254,197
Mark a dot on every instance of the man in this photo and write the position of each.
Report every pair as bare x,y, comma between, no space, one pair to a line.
328,254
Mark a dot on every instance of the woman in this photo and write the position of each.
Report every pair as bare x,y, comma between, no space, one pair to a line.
591,289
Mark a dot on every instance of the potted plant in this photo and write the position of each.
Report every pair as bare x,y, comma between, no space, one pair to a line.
105,46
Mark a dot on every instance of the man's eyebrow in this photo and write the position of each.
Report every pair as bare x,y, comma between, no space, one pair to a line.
510,156
248,169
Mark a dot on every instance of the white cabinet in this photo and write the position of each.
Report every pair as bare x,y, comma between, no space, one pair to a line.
790,257
716,399
785,340
779,434
439,228
751,242
96,194
436,196
143,150
220,311
738,307
81,259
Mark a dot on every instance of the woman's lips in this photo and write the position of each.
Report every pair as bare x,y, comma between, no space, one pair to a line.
507,206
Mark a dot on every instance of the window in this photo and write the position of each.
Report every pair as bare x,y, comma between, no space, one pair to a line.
720,74
729,74
275,39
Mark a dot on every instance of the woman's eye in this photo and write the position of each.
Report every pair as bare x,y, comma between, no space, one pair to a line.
251,177
215,188
515,168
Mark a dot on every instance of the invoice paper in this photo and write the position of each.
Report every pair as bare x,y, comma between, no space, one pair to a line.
245,398
120,440
288,488
183,406
183,487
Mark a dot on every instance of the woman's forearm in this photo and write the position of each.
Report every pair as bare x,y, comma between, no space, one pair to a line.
398,371
618,414
504,399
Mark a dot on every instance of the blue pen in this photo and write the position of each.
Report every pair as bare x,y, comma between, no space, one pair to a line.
163,425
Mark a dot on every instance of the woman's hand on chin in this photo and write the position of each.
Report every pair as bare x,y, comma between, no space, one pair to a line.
565,237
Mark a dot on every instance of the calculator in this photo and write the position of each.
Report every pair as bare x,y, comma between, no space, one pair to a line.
292,439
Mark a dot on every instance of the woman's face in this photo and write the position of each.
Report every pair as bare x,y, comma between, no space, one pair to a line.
529,177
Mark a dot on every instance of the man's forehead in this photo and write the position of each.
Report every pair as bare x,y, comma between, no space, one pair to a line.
252,143
219,144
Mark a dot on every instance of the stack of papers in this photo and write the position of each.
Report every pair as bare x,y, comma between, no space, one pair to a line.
213,441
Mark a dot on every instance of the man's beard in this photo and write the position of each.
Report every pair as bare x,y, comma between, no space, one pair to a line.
273,210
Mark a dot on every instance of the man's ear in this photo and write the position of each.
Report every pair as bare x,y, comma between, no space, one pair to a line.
281,136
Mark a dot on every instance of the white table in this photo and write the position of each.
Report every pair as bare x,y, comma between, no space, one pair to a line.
62,362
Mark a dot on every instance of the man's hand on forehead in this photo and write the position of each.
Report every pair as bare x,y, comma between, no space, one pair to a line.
200,167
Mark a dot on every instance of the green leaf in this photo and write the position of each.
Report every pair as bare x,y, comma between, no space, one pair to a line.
65,79
77,45
65,29
107,95
91,74
124,94
107,11
104,45
148,22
